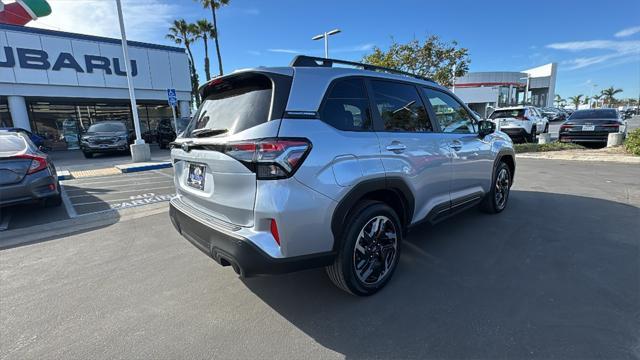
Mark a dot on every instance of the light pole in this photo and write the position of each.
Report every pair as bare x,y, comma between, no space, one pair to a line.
526,89
139,150
325,36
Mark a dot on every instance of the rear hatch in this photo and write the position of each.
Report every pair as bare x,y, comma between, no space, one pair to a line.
509,117
12,167
212,156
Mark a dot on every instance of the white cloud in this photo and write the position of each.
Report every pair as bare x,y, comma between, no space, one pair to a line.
285,51
617,52
628,31
145,20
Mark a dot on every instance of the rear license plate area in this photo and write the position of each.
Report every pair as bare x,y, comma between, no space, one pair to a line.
588,127
196,176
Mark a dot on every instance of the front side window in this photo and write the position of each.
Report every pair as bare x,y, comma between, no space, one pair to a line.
400,107
451,115
347,106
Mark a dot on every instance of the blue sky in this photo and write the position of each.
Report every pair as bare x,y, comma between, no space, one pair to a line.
593,43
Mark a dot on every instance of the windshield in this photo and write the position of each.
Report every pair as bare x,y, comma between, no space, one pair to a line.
514,113
234,104
594,114
107,127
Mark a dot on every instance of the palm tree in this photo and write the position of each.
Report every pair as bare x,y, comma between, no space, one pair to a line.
576,100
586,99
609,95
183,33
559,100
597,99
206,31
215,5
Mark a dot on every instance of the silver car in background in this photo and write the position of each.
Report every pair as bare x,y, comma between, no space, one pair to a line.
311,165
27,175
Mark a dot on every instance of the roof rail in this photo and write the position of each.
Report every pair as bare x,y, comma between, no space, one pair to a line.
312,61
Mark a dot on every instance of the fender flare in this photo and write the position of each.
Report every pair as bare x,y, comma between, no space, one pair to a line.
360,190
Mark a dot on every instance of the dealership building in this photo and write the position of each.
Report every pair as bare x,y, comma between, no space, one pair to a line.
57,84
483,91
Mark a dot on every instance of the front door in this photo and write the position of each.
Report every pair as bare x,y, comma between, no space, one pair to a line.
472,160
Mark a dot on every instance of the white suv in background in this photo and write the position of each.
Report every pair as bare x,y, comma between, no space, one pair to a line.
520,122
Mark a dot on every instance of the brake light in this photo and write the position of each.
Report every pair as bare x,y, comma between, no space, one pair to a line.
270,158
37,163
274,231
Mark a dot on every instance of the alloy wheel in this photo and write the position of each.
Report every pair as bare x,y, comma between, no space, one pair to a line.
375,251
502,188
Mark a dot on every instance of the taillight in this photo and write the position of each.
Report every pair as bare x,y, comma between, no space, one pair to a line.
37,163
270,158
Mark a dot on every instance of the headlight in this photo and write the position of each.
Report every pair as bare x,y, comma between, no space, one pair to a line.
85,139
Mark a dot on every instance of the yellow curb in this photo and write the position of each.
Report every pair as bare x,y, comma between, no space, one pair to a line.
95,172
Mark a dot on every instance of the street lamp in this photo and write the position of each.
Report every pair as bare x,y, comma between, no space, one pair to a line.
526,89
139,150
325,36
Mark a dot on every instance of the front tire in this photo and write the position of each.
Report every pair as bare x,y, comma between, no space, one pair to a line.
369,249
496,200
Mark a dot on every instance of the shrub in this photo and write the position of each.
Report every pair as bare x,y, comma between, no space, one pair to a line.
632,143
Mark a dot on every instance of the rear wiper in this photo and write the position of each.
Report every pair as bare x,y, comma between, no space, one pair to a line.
207,132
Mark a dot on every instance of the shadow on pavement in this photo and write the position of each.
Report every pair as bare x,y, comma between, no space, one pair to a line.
554,276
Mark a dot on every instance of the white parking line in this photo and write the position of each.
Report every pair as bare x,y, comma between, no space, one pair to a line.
119,179
121,200
121,192
163,174
68,207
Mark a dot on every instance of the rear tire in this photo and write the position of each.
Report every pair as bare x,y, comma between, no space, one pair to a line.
495,201
531,138
546,129
369,249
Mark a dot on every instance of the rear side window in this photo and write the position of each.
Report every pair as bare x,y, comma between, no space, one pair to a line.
234,104
12,144
400,107
347,106
501,114
451,115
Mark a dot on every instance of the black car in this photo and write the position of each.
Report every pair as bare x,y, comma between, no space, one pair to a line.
554,114
590,126
106,137
166,132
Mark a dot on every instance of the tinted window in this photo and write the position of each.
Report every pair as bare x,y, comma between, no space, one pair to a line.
234,104
12,144
514,113
400,107
594,114
107,127
347,106
451,115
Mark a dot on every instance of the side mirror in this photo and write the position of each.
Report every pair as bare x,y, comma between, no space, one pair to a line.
485,128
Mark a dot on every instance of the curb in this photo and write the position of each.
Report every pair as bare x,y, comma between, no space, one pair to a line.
585,158
120,169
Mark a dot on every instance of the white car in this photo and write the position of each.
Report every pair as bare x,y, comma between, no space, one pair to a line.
520,122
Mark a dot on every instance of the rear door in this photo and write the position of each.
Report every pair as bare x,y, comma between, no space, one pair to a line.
244,106
410,148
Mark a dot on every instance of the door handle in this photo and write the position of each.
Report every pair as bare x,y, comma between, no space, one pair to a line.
456,145
396,147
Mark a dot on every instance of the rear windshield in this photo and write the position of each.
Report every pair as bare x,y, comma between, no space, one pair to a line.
11,144
594,114
234,104
107,127
507,113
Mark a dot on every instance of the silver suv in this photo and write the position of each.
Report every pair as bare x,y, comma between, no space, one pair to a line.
315,165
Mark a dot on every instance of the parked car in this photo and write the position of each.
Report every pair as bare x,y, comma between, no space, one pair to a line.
106,137
554,114
521,123
26,174
166,131
591,126
36,139
324,166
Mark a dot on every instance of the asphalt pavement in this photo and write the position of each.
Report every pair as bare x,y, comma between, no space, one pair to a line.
555,276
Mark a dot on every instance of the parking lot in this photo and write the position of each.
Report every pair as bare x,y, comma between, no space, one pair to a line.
93,195
554,276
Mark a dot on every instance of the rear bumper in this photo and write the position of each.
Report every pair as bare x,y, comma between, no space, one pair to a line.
583,137
32,188
515,132
230,249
